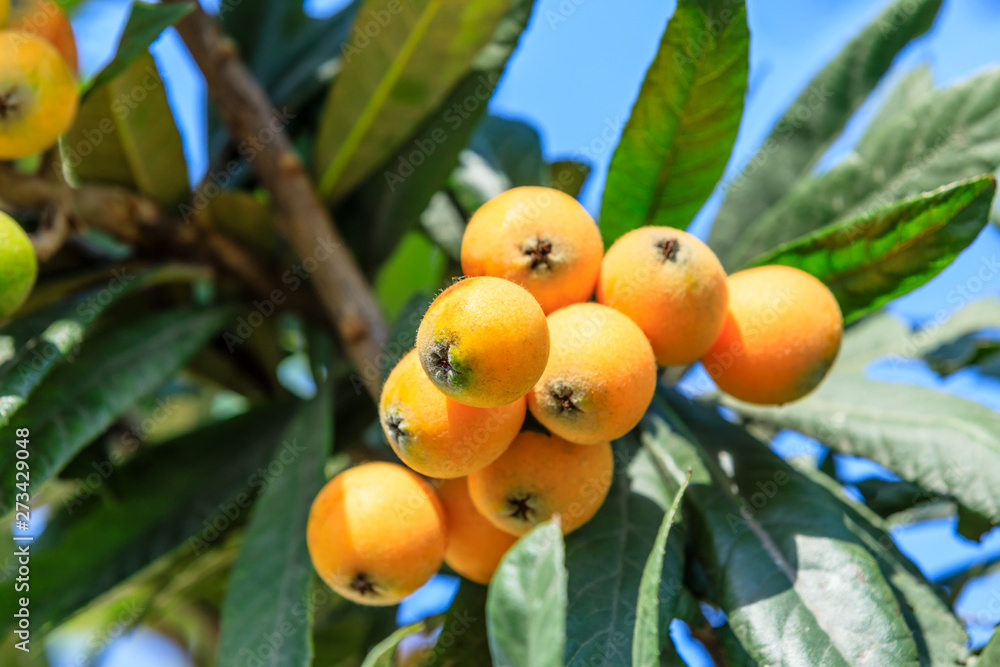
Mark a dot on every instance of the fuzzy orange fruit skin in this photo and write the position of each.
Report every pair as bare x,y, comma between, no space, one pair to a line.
539,238
670,284
376,533
40,94
780,338
47,20
475,546
437,436
540,476
600,377
484,342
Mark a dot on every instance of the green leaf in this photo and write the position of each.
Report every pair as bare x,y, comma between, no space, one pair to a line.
869,260
967,350
883,335
908,92
947,137
390,203
502,154
941,443
776,550
463,639
32,346
938,632
991,366
269,588
77,402
570,176
245,217
991,653
124,134
392,81
282,45
382,654
808,127
444,223
605,560
513,148
293,56
526,601
187,489
678,140
474,182
646,641
885,497
416,266
956,581
868,339
403,335
144,25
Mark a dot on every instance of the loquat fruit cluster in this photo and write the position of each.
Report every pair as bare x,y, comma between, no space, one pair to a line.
520,334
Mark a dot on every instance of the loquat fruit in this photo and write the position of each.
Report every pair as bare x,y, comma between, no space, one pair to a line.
376,533
670,284
18,266
600,377
38,95
539,238
47,20
539,476
475,546
780,337
484,342
437,436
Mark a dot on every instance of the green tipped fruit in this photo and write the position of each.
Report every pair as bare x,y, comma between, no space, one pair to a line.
18,266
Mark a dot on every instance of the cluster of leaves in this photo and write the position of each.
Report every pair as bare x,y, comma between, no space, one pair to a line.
163,512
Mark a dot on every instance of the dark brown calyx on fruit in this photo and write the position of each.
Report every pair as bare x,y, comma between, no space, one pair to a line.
441,365
363,585
519,506
562,395
539,252
668,249
396,429
10,104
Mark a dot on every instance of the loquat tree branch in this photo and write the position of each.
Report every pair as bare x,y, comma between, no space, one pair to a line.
344,293
128,217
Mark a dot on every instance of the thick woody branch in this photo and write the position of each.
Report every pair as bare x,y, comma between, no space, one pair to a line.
128,217
342,289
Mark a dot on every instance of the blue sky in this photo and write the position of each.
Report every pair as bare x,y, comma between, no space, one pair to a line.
576,74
